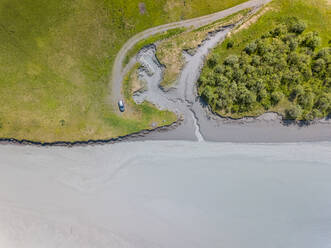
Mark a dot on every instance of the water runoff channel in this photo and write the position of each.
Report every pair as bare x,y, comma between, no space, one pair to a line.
182,98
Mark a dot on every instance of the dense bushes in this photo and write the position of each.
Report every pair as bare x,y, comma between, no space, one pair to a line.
281,67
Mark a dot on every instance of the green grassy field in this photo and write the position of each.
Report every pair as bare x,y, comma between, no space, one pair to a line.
56,58
316,14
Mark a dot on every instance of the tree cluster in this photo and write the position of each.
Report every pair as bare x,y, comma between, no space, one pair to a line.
282,65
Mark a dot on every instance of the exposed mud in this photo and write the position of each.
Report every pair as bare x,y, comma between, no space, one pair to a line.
181,98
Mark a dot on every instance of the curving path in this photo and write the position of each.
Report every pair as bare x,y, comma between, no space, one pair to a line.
119,72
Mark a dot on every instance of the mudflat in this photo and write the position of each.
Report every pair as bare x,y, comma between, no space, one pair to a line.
166,194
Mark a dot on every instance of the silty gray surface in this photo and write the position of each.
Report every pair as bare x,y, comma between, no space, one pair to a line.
166,194
179,99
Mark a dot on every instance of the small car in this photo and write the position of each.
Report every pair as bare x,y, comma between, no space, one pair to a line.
121,106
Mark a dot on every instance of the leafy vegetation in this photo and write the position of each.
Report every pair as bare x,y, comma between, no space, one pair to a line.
56,57
285,70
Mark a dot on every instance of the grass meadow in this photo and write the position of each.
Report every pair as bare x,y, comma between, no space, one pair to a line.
55,62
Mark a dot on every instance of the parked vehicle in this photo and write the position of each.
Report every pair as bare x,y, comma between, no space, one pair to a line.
121,106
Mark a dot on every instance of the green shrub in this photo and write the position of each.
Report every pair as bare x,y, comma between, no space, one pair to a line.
296,26
278,68
324,53
318,65
306,100
298,90
251,48
279,30
212,61
293,112
311,40
231,60
276,97
324,103
218,69
229,44
327,82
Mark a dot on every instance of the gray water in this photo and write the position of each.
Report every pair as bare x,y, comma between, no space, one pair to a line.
166,194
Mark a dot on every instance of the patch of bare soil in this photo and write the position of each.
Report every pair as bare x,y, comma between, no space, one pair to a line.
142,8
137,85
252,20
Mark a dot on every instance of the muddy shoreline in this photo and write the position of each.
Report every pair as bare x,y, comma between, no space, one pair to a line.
128,137
280,129
253,130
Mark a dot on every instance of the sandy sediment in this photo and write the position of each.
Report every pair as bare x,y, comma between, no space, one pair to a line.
166,194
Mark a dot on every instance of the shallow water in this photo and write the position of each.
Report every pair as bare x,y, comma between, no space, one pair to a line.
166,194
